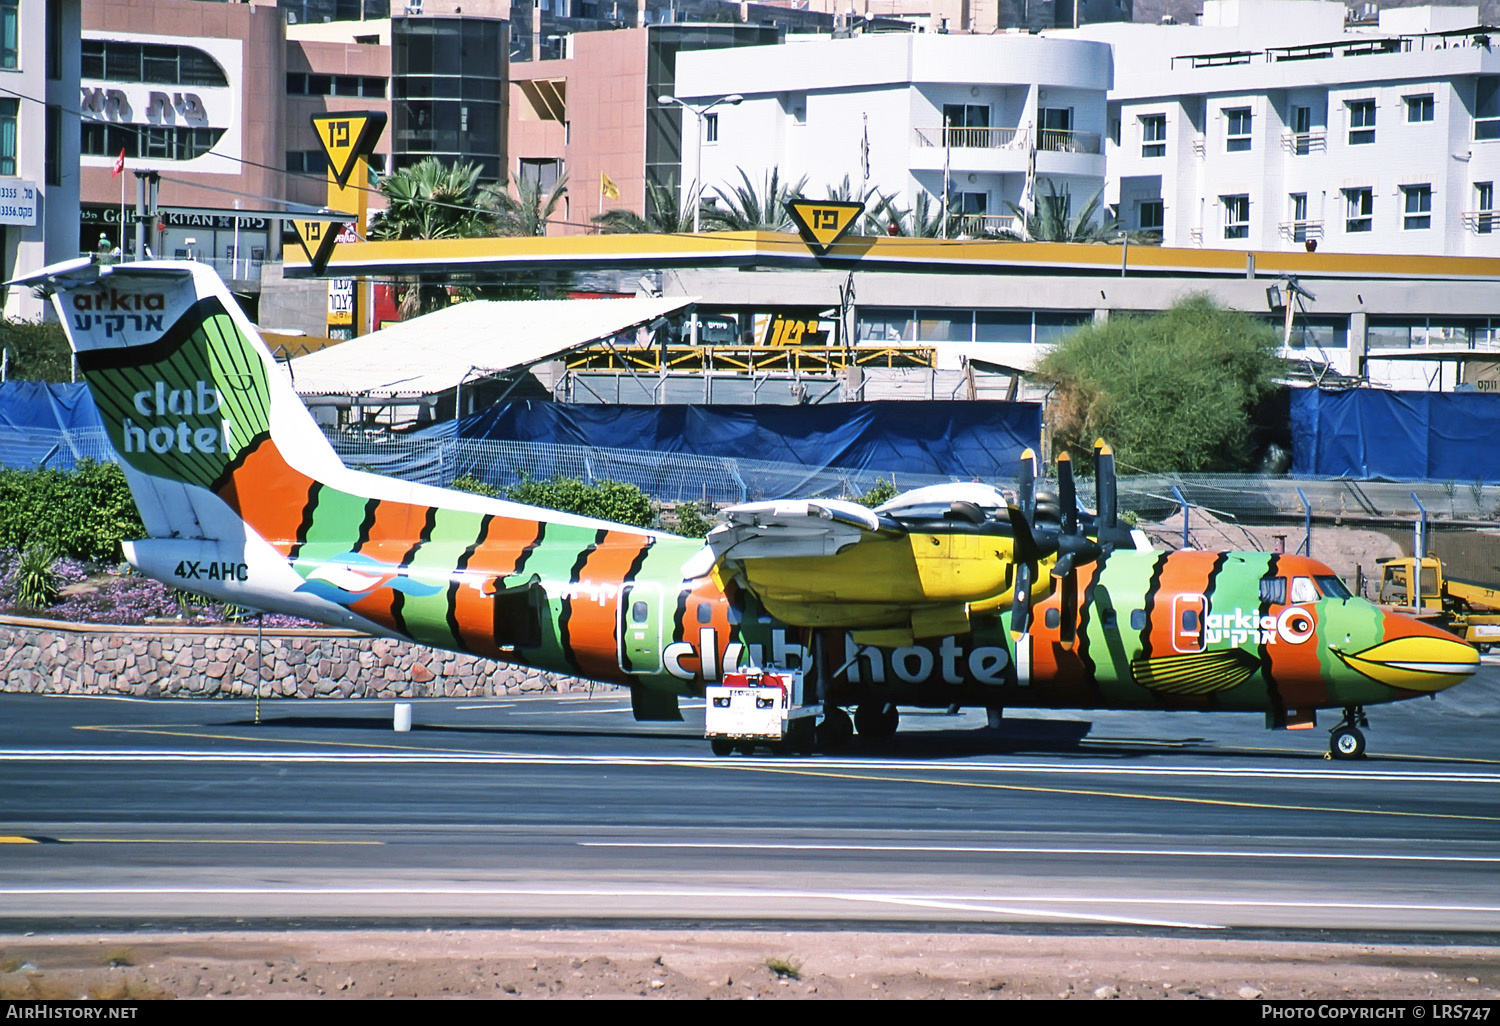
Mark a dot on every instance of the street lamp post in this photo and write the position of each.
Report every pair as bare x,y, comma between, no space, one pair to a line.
699,112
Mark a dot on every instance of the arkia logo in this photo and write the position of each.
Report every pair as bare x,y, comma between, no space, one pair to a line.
181,435
112,312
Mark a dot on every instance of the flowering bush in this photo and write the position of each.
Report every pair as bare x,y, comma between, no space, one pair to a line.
119,595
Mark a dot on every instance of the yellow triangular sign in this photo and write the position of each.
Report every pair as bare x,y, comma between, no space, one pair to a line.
823,221
346,137
318,239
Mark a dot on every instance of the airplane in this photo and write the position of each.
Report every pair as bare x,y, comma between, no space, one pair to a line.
951,595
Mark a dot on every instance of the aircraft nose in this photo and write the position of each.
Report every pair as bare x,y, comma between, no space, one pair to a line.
1415,656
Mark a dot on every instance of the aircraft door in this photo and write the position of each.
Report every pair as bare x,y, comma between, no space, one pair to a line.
640,628
1188,612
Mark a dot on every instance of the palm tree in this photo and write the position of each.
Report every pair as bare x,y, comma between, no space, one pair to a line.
528,212
759,211
880,210
663,215
430,200
1050,222
924,221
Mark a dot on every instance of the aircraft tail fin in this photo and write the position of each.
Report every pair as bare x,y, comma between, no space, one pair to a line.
187,390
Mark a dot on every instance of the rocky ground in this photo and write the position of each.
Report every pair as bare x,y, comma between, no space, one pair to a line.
738,964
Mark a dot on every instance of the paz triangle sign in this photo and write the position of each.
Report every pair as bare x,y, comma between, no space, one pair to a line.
346,137
317,239
823,222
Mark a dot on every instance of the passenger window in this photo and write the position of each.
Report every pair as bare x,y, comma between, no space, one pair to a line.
1137,619
1052,619
1107,619
1273,591
1189,620
639,612
1303,590
705,612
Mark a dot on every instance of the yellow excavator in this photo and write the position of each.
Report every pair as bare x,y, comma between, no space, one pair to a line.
1419,587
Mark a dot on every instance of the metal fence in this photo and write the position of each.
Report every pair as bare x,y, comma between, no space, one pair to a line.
679,477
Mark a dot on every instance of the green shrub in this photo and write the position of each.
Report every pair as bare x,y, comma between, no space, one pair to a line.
614,501
694,520
884,491
37,584
38,351
470,483
84,513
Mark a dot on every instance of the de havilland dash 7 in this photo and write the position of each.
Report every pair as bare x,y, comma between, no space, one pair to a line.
952,595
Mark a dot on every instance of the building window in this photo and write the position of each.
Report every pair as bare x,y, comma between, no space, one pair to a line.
164,143
1154,135
1484,202
1153,217
53,169
1299,216
1418,207
1236,216
1487,107
1054,128
1237,123
10,46
710,128
542,172
54,40
306,161
1361,122
148,62
967,124
1359,210
1418,108
9,112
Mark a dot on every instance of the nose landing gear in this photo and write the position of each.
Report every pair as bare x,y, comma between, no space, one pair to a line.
1346,740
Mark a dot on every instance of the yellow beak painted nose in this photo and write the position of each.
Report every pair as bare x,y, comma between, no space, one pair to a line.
1421,662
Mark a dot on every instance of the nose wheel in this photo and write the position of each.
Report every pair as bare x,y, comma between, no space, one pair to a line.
1346,740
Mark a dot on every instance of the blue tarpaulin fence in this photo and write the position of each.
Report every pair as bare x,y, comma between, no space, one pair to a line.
1372,433
980,439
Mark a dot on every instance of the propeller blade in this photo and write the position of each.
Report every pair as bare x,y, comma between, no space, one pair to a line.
1104,481
1066,496
1069,626
1026,485
1020,603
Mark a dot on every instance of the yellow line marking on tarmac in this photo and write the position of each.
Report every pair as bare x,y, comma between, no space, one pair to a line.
1086,793
203,840
19,840
285,740
795,771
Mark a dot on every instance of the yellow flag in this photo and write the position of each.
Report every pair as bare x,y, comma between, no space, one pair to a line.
607,188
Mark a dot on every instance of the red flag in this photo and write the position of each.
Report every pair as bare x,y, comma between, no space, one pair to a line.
119,164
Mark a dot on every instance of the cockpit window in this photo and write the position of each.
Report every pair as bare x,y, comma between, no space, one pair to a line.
1333,587
1273,590
1303,590
936,500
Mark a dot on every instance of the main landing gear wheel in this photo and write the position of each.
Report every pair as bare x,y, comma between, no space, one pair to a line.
1346,740
876,721
801,736
836,730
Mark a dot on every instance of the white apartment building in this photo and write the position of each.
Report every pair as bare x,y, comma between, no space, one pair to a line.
38,142
1270,126
873,109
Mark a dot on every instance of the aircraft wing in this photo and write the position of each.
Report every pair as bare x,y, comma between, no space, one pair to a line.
893,578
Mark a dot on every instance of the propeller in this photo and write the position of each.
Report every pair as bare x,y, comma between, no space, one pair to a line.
1067,540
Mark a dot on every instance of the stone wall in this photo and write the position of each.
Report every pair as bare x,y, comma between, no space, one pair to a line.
48,656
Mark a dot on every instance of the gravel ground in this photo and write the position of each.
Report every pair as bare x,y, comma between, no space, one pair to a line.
730,964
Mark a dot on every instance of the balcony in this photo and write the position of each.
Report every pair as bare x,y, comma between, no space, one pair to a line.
978,226
972,138
1300,231
1480,222
1300,144
1048,140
